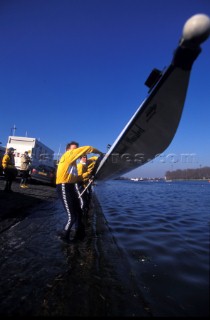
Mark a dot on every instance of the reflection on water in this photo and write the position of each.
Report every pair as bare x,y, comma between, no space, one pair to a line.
162,230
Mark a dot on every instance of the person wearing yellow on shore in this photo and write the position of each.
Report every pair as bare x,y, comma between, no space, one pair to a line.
67,180
10,171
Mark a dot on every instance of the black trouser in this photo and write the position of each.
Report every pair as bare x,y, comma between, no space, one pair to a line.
69,194
25,175
10,175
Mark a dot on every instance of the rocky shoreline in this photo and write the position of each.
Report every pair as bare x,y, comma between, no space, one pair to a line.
88,278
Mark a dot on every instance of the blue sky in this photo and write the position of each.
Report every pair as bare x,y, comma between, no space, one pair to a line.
75,70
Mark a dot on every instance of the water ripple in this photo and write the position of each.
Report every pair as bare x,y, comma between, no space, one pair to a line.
163,231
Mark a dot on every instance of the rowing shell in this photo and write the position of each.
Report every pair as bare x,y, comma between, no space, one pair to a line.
153,126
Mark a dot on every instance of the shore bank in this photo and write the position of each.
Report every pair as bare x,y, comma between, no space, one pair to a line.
42,276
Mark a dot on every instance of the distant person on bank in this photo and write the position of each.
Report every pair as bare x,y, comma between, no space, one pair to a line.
10,171
25,161
67,179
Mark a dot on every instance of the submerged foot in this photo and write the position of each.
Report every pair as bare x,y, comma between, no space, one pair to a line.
72,236
63,235
80,234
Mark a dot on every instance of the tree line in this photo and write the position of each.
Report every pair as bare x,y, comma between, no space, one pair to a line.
186,174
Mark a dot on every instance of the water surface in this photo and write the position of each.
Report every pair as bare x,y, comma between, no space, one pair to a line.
162,230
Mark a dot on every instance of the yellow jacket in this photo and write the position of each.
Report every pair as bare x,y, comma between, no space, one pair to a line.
8,162
67,167
91,163
84,169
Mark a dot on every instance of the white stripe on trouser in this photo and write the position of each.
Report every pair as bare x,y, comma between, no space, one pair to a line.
66,206
79,196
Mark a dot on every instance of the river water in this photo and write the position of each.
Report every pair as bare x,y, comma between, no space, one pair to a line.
162,230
